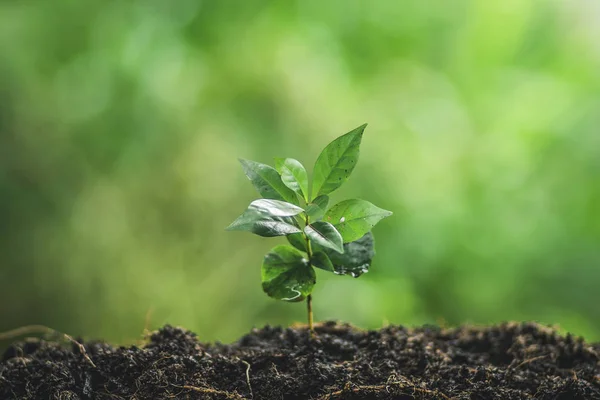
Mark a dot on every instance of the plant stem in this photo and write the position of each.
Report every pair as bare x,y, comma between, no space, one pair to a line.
309,297
310,314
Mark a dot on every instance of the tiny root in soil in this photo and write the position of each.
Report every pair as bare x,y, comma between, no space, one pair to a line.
31,329
393,387
196,389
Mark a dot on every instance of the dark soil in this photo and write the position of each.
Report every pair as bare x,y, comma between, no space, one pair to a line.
509,361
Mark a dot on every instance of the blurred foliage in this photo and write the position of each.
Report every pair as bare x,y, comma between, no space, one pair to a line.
121,123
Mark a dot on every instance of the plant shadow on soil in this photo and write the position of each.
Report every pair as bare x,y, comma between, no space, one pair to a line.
507,361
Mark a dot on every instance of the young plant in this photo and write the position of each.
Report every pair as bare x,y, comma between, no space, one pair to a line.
337,239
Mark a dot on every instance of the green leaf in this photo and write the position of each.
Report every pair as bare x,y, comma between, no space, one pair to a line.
336,162
262,223
321,260
267,182
276,208
314,212
316,209
354,218
293,175
321,201
325,235
279,163
287,274
357,256
298,241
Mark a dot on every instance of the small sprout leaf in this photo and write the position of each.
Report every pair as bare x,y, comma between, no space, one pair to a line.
357,256
336,162
314,212
321,260
279,163
287,274
298,241
354,218
316,209
324,234
276,208
263,224
267,182
321,201
293,175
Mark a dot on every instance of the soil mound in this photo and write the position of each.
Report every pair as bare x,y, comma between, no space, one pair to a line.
507,361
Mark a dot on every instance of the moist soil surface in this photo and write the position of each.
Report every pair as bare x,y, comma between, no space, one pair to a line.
507,361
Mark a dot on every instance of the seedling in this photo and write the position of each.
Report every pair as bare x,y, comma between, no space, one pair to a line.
337,239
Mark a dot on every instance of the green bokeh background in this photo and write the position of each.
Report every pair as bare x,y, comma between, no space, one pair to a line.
121,123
